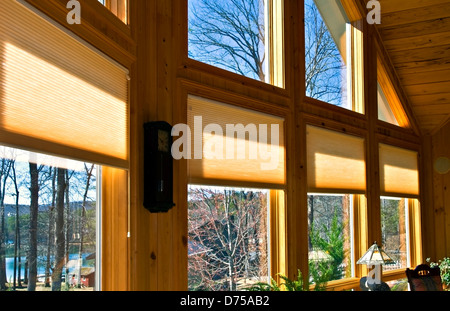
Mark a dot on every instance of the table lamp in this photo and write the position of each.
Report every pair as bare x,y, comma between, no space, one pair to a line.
375,257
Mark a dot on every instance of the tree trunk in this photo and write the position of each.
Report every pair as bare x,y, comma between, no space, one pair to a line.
83,219
59,232
67,226
34,207
6,166
17,231
51,228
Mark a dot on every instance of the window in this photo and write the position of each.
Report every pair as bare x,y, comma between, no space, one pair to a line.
62,96
400,208
384,109
228,247
336,180
118,8
390,108
241,36
236,175
50,216
394,230
330,237
327,54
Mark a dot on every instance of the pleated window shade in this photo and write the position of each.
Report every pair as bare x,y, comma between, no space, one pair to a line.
57,94
253,158
399,175
335,162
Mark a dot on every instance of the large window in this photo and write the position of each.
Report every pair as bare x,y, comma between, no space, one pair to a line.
394,230
228,244
326,48
241,36
63,97
330,237
49,226
239,154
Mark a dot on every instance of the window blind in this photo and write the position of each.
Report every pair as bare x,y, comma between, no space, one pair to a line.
246,147
335,162
399,174
58,95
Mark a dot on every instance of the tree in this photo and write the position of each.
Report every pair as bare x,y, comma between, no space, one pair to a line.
4,173
323,62
229,34
59,232
51,226
34,210
89,176
17,260
228,238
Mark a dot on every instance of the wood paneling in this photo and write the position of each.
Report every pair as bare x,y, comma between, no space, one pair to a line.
416,35
436,214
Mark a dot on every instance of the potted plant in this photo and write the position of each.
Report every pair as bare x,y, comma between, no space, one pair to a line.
288,285
444,266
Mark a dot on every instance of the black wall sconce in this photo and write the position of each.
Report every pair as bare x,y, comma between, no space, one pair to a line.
158,167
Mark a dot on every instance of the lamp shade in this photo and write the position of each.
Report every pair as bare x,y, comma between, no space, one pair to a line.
375,256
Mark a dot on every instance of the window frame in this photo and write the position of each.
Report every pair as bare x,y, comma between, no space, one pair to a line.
277,78
115,188
355,67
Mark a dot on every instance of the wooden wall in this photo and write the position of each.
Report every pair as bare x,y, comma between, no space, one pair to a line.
154,48
436,207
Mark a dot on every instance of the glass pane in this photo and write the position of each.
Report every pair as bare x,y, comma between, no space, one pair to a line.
228,238
394,231
49,214
330,237
384,109
229,34
326,52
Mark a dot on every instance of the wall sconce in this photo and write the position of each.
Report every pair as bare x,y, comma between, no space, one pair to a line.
375,257
442,165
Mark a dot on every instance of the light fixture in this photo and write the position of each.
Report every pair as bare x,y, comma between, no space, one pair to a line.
442,165
374,258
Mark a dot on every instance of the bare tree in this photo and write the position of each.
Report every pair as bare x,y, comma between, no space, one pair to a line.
59,232
324,66
51,227
228,238
229,34
34,210
17,261
4,173
89,176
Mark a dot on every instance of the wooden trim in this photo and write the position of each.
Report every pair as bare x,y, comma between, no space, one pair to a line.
354,9
393,89
119,8
278,245
114,211
361,242
98,26
415,232
276,42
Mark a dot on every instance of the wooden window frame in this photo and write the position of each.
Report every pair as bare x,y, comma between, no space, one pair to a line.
275,49
119,8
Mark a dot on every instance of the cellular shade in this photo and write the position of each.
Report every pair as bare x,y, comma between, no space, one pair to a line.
243,151
335,162
57,94
399,174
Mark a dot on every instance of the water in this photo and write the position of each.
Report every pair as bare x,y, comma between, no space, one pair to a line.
40,268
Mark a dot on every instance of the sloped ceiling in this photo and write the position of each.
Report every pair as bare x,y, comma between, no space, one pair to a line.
416,35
